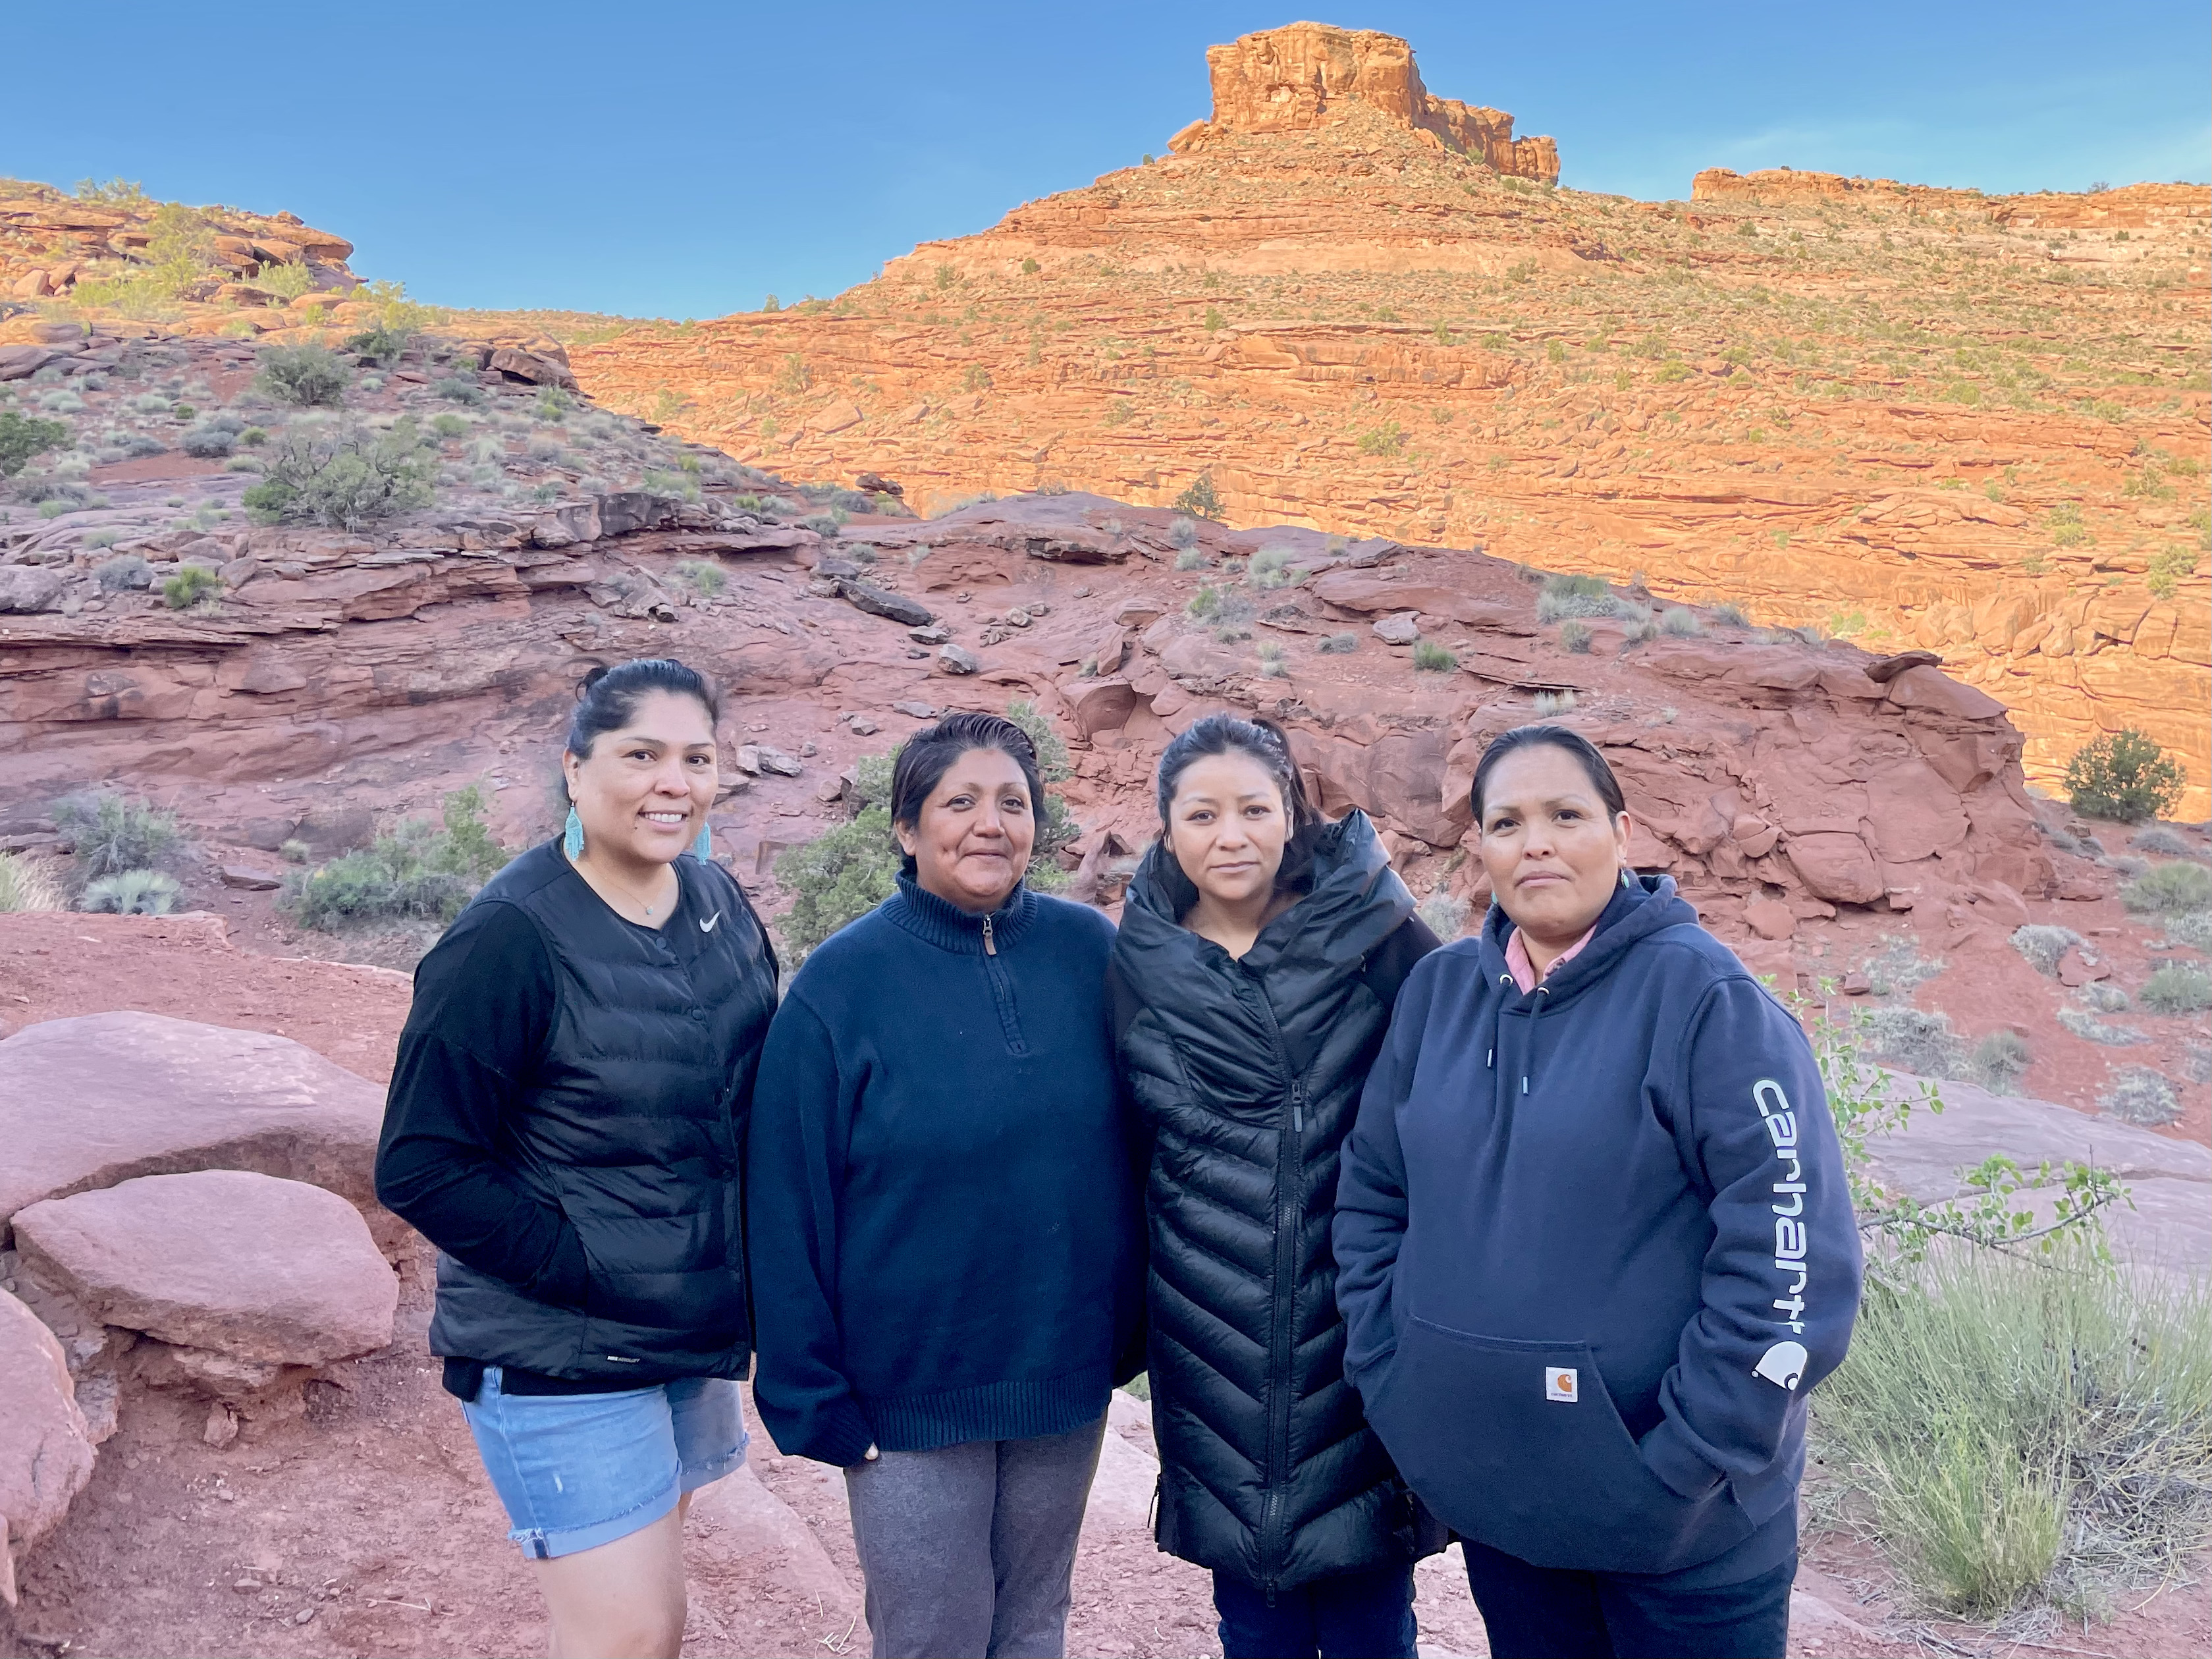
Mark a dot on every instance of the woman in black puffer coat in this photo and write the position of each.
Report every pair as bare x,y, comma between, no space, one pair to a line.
1260,952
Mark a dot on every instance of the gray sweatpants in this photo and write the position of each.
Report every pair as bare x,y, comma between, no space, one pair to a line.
968,1549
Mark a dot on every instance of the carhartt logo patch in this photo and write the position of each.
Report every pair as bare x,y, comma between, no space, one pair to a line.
1782,1364
1562,1384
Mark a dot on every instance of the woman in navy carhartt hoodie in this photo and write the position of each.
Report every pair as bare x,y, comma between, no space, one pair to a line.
1594,1243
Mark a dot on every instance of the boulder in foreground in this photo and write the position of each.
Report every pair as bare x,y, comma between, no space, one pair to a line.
235,1263
45,1456
89,1101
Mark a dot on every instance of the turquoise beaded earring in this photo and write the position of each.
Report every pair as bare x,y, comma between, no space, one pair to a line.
572,836
703,848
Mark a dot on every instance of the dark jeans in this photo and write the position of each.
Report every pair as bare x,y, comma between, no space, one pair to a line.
1349,1615
1544,1612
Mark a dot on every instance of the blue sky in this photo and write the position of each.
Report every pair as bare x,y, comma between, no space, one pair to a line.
684,158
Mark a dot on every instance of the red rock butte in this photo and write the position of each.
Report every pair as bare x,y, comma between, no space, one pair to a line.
1910,416
1301,78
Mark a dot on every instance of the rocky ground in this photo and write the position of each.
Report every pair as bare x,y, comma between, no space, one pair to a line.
1976,425
362,1525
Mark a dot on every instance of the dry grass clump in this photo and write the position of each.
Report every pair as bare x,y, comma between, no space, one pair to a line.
2013,1432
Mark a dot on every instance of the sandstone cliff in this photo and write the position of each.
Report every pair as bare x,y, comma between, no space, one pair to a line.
1301,78
1968,424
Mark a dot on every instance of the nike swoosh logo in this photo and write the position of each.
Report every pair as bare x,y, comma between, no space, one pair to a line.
708,925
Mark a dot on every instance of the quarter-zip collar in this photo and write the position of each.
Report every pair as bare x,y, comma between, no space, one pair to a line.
949,927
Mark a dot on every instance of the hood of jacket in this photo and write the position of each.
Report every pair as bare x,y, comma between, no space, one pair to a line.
1356,901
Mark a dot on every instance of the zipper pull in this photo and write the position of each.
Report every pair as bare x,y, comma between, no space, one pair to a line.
990,944
1297,1118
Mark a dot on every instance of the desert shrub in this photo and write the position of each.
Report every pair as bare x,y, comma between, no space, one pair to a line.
338,474
1387,438
2161,843
458,389
2085,1024
2043,945
1204,604
449,425
23,436
1269,568
1338,645
114,832
29,883
303,374
2168,889
2020,1433
1201,500
704,574
1182,531
286,281
1548,703
379,344
207,443
1190,558
131,893
2139,1095
1274,660
2192,928
123,571
1731,614
2177,989
1998,1061
1431,658
193,584
839,875
1915,1040
2124,775
1443,915
415,871
1564,595
1679,621
1575,637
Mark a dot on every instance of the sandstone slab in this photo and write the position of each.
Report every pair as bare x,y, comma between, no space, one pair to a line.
89,1101
46,1452
256,1268
2170,1226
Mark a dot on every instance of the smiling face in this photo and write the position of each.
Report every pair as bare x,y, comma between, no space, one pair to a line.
1227,828
1554,858
644,789
971,840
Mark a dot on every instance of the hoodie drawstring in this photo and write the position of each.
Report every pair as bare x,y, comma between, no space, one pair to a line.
1497,1023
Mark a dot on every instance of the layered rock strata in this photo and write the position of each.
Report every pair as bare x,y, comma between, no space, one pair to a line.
1917,419
1298,79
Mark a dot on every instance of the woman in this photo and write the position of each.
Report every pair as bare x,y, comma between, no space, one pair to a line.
1593,1242
1260,950
943,1223
564,1124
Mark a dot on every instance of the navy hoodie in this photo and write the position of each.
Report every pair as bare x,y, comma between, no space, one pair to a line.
943,1225
1595,1245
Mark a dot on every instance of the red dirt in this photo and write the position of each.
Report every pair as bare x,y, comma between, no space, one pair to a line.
368,1528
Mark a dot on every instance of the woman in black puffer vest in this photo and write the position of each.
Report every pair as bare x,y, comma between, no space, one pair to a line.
1260,952
565,1120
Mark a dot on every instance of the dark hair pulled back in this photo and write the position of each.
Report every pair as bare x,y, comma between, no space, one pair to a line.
1553,737
1262,740
927,756
607,697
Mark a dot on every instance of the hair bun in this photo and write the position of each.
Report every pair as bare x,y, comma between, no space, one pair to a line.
584,686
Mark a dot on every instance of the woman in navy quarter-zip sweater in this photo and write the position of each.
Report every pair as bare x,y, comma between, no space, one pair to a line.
942,1216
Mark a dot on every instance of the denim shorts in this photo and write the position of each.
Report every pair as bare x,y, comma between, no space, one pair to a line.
579,1470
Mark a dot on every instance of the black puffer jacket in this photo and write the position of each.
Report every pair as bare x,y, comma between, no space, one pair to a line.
1249,1073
